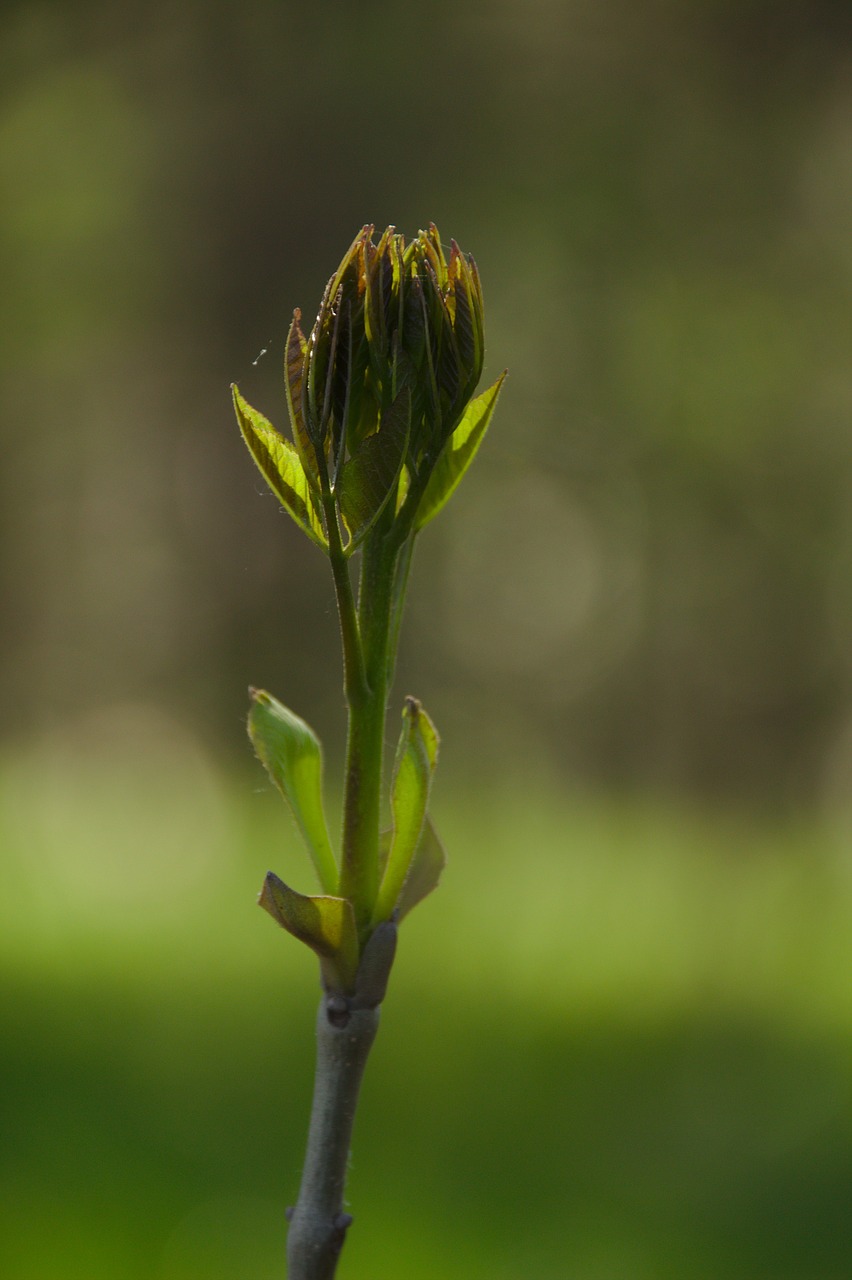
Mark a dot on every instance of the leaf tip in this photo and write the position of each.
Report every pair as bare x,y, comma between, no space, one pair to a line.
266,897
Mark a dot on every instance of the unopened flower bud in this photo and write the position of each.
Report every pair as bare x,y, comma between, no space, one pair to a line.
378,389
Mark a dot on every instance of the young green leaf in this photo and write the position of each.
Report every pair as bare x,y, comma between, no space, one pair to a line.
325,924
292,755
425,871
457,454
294,369
385,842
417,756
281,468
370,476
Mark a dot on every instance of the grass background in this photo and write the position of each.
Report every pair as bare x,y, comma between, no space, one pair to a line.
617,1041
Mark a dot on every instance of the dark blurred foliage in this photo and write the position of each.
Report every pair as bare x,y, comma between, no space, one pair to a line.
649,578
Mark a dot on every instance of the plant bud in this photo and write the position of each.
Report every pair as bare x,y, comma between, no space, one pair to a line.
393,315
376,393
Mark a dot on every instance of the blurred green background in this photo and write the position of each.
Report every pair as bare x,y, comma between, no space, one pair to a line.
617,1044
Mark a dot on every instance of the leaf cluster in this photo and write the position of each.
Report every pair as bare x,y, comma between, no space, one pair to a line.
412,856
380,396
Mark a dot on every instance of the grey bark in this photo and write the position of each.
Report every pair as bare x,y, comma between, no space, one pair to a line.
346,1029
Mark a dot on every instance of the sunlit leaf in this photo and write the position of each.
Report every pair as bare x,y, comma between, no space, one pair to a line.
292,755
370,476
425,871
458,453
431,242
467,318
281,468
294,368
354,256
325,924
403,487
416,758
385,839
378,286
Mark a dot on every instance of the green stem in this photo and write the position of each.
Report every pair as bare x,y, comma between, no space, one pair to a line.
353,658
346,1026
400,586
365,741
